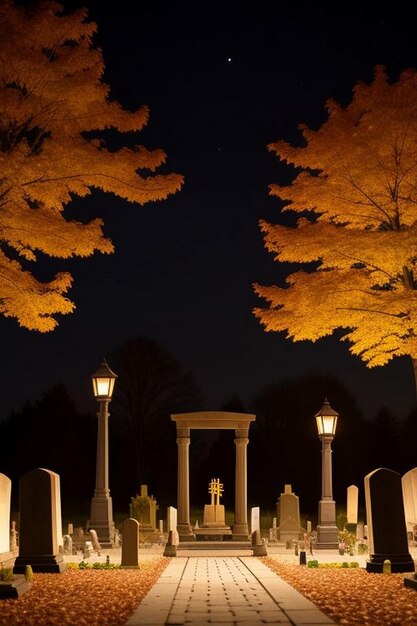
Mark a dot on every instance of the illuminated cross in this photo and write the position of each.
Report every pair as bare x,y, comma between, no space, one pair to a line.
215,490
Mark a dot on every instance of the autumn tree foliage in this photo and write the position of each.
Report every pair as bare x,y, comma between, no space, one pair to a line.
54,111
355,190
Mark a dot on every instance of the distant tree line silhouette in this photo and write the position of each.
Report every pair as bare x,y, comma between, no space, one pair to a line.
283,447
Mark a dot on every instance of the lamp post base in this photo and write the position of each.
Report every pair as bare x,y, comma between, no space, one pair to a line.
101,520
327,532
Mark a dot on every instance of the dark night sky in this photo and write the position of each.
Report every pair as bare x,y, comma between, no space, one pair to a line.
183,268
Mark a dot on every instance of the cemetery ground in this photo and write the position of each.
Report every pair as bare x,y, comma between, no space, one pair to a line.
108,597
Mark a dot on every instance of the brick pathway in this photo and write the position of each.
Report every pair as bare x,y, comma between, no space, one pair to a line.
227,591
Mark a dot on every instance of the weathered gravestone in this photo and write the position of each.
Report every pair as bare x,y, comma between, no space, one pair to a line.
352,508
39,501
387,534
6,553
130,544
143,508
288,512
95,541
409,484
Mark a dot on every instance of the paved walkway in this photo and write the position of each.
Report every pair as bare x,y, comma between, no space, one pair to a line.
224,590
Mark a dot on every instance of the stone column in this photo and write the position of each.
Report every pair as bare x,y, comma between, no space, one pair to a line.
240,527
183,505
327,533
101,517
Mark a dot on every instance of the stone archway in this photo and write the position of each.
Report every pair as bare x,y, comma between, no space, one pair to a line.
212,420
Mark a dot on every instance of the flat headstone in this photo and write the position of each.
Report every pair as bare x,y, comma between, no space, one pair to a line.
39,501
387,533
5,493
409,484
130,544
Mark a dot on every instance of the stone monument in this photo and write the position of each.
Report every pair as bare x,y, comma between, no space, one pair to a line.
214,520
143,508
6,551
288,514
387,533
39,501
409,485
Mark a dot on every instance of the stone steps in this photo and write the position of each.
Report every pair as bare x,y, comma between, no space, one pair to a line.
214,545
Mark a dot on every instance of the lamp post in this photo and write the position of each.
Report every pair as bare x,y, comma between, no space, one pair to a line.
101,517
327,533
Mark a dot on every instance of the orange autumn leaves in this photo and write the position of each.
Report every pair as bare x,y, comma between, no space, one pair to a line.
352,596
355,187
54,109
82,597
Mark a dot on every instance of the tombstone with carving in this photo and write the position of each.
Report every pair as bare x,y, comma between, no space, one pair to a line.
143,509
214,521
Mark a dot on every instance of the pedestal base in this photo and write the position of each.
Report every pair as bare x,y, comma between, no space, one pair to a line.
327,532
327,538
399,563
185,532
101,520
15,588
46,563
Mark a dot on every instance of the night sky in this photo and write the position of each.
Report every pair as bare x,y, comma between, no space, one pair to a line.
222,80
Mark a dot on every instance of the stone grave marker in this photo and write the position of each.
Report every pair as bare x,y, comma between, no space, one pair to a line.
39,500
13,537
387,533
5,494
172,524
8,544
130,544
255,519
288,513
352,508
95,541
67,544
143,508
409,485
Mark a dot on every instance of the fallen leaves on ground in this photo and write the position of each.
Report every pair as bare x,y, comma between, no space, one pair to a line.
82,597
352,596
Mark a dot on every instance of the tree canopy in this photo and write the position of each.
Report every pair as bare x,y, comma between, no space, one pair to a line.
355,190
55,111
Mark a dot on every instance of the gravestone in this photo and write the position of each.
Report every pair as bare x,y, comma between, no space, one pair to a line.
67,544
172,524
13,537
39,500
288,513
6,551
255,519
95,541
409,485
352,508
143,508
387,533
130,544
